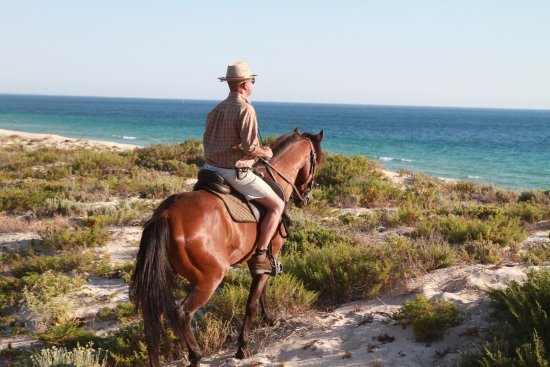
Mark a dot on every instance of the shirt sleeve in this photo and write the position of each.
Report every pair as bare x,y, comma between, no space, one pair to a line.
249,130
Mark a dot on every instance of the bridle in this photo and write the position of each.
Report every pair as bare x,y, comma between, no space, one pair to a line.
301,199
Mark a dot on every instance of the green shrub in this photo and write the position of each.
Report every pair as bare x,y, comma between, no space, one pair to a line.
537,254
523,337
409,258
339,272
430,318
68,333
211,332
351,181
97,163
63,263
306,235
46,297
525,308
483,251
127,347
122,312
457,230
287,296
229,302
182,159
69,239
78,357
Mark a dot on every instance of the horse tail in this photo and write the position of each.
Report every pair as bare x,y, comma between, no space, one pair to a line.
153,282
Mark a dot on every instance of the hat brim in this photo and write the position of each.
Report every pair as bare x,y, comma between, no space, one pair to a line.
226,79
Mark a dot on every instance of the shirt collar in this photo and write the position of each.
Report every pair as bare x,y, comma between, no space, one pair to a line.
238,96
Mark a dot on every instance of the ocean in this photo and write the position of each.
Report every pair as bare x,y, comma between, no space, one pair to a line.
504,147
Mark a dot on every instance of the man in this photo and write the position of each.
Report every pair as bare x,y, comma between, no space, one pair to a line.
231,147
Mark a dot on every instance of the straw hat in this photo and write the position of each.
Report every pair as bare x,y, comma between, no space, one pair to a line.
237,71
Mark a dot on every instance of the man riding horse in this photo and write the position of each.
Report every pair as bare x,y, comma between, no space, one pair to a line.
231,148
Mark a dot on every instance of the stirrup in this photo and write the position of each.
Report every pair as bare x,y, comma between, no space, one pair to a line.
276,265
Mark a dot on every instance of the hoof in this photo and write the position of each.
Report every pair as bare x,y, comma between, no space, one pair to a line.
242,353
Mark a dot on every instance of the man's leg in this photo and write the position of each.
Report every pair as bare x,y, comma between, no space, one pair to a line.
274,210
260,264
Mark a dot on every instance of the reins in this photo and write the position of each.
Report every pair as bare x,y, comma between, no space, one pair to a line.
270,169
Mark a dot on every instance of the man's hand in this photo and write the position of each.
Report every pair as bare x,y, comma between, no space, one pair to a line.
262,152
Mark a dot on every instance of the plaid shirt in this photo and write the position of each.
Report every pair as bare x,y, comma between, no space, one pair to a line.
231,133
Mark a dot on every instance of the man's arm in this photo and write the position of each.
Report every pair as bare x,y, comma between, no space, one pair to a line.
261,152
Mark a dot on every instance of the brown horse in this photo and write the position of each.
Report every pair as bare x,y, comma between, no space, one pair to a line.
192,234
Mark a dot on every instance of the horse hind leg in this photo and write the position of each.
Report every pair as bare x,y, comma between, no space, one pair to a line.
198,296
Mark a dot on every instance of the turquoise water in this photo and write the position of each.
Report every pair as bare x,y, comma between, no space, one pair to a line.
509,148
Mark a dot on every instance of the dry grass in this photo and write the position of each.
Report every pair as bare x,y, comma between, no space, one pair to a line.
15,225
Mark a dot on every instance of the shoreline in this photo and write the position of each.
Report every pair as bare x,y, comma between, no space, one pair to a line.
33,140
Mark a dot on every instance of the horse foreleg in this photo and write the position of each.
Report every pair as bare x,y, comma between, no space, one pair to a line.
268,317
256,288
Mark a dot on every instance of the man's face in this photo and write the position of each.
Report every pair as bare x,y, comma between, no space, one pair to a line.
249,86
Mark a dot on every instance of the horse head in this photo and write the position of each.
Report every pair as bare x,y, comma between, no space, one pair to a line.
300,154
306,175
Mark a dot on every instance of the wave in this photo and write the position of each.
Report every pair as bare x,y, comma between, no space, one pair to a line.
385,159
124,137
474,177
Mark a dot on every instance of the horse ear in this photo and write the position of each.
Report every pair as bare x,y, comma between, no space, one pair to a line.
319,136
297,130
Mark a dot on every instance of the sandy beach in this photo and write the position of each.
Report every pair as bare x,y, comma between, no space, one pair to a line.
359,333
32,140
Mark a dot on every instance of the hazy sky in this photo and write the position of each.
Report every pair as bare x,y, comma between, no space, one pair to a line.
436,53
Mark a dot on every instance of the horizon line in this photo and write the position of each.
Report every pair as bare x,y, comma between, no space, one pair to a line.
285,102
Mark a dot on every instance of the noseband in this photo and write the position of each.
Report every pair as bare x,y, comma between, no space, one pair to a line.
304,198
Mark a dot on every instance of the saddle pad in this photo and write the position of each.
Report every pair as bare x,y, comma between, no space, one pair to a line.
238,209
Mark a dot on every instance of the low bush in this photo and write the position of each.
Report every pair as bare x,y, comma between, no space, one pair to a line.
430,319
523,337
122,312
537,254
68,333
339,272
69,239
77,357
211,332
46,299
182,159
98,163
482,251
352,181
458,230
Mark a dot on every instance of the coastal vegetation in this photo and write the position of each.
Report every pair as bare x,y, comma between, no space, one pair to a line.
363,234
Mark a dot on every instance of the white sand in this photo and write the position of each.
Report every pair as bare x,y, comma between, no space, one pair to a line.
9,137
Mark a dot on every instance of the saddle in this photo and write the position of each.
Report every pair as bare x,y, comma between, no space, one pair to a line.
239,208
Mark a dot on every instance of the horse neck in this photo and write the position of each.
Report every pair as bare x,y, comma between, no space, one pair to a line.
289,163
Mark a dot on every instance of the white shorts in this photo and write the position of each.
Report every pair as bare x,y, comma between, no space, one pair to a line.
250,185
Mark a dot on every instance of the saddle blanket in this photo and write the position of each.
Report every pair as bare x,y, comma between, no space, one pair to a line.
238,209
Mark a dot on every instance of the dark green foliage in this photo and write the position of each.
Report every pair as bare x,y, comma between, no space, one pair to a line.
351,181
339,272
123,312
430,318
306,235
457,230
69,239
182,159
68,334
523,312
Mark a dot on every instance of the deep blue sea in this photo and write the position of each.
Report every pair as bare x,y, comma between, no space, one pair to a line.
508,148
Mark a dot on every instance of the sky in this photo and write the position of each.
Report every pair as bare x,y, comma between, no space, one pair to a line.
466,53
